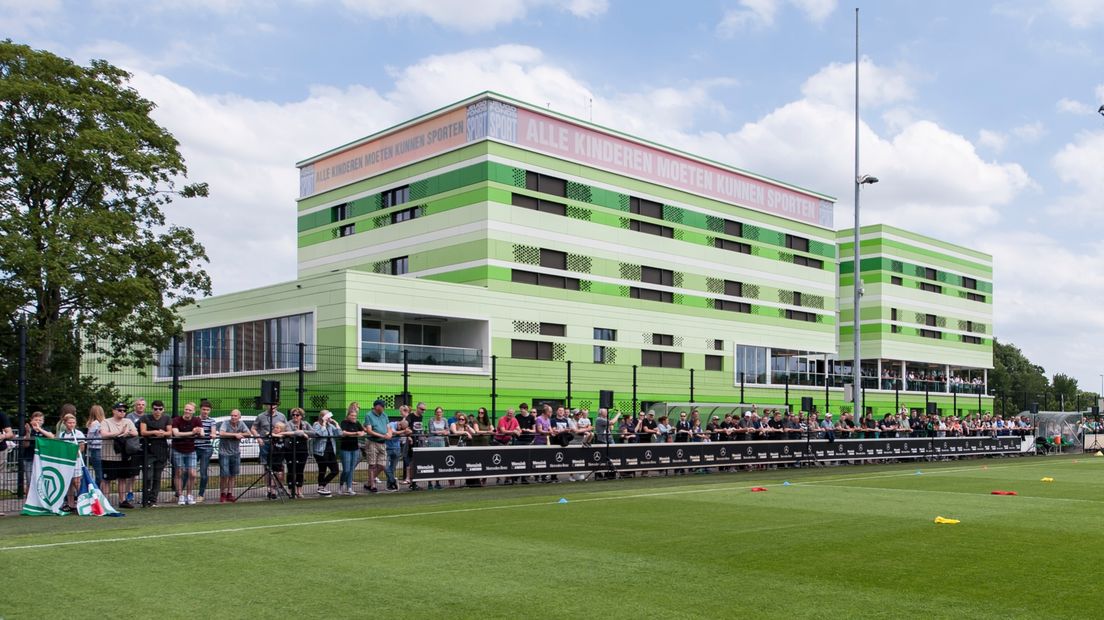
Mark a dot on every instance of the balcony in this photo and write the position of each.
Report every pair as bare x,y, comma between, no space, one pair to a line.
429,342
420,355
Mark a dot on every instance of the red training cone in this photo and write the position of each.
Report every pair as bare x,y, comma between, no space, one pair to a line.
1003,493
758,489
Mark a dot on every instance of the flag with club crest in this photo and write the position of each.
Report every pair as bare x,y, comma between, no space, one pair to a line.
92,502
56,462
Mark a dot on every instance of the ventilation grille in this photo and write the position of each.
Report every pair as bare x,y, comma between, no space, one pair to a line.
558,350
526,327
630,272
714,224
576,262
527,254
714,285
578,213
519,177
578,191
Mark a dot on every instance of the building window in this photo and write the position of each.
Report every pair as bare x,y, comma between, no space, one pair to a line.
404,215
718,345
661,359
893,314
400,265
647,208
971,339
346,230
553,259
805,261
969,326
732,306
931,320
649,294
604,333
798,315
793,242
733,289
735,229
396,196
537,204
975,297
663,340
896,280
427,335
339,212
553,329
714,362
545,184
797,298
969,283
931,333
930,274
652,229
931,288
267,344
601,355
530,350
751,364
652,275
732,246
544,279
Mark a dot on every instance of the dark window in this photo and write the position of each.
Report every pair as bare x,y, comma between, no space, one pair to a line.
400,265
801,244
649,208
604,333
339,212
521,200
545,206
663,340
545,184
652,275
971,339
896,280
600,356
530,350
661,359
652,229
734,289
969,283
553,259
930,273
543,279
347,230
718,345
553,329
931,320
808,262
975,297
732,246
429,335
651,295
969,326
931,333
798,315
404,215
893,314
931,288
732,306
396,196
714,362
797,298
736,229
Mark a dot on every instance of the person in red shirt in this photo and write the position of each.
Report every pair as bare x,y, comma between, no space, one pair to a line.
185,429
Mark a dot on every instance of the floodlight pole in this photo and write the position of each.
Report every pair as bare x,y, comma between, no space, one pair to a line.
856,284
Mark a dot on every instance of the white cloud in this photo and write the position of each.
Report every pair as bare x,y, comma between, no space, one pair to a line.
467,17
760,14
878,86
1072,106
21,17
1080,13
993,140
1030,132
1077,164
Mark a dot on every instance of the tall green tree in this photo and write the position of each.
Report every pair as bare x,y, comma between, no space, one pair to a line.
1064,390
86,252
1015,379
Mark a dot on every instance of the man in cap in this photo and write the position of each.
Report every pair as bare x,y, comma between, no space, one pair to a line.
376,425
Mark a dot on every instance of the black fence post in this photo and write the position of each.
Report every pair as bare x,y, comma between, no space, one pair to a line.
634,391
22,400
569,384
494,389
175,375
827,394
742,401
897,394
979,400
954,401
691,385
406,377
925,398
787,391
302,372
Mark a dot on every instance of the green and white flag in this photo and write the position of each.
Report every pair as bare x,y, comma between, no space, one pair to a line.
56,462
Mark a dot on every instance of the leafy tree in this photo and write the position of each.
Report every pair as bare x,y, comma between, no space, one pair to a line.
1016,381
85,248
1064,390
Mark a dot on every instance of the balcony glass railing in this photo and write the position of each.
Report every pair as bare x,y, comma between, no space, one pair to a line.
871,383
420,354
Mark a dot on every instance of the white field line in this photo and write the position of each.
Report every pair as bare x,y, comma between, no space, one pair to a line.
707,489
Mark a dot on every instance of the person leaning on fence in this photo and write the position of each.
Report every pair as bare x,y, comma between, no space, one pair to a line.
34,428
69,432
351,432
185,428
324,447
378,433
230,434
94,452
415,434
204,446
298,438
394,446
264,426
154,429
117,463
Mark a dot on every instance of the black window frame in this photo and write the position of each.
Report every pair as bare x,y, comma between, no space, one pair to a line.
395,196
794,242
541,350
896,280
732,246
553,329
661,359
741,307
339,212
714,362
346,230
599,333
645,207
663,340
399,265
651,294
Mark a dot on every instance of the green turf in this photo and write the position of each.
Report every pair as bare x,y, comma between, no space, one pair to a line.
839,542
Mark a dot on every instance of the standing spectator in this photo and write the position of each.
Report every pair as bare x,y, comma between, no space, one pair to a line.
204,447
647,430
154,429
415,438
326,432
603,424
94,424
508,429
32,429
378,433
184,430
69,432
230,434
438,429
583,428
542,428
264,427
298,446
394,446
135,418
683,428
351,432
481,428
626,429
526,423
118,465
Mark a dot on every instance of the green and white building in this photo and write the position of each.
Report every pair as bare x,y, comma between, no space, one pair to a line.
493,245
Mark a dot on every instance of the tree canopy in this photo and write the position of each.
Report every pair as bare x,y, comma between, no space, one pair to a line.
86,251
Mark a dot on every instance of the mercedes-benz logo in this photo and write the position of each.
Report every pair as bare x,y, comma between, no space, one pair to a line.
450,460
724,451
678,453
648,455
749,450
860,445
496,459
786,450
597,456
559,457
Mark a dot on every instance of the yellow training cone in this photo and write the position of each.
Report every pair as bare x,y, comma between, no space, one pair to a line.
1099,453
946,520
1047,479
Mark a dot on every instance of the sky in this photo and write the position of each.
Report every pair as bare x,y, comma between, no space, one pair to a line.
979,118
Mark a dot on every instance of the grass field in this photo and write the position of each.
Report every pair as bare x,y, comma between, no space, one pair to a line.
838,542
